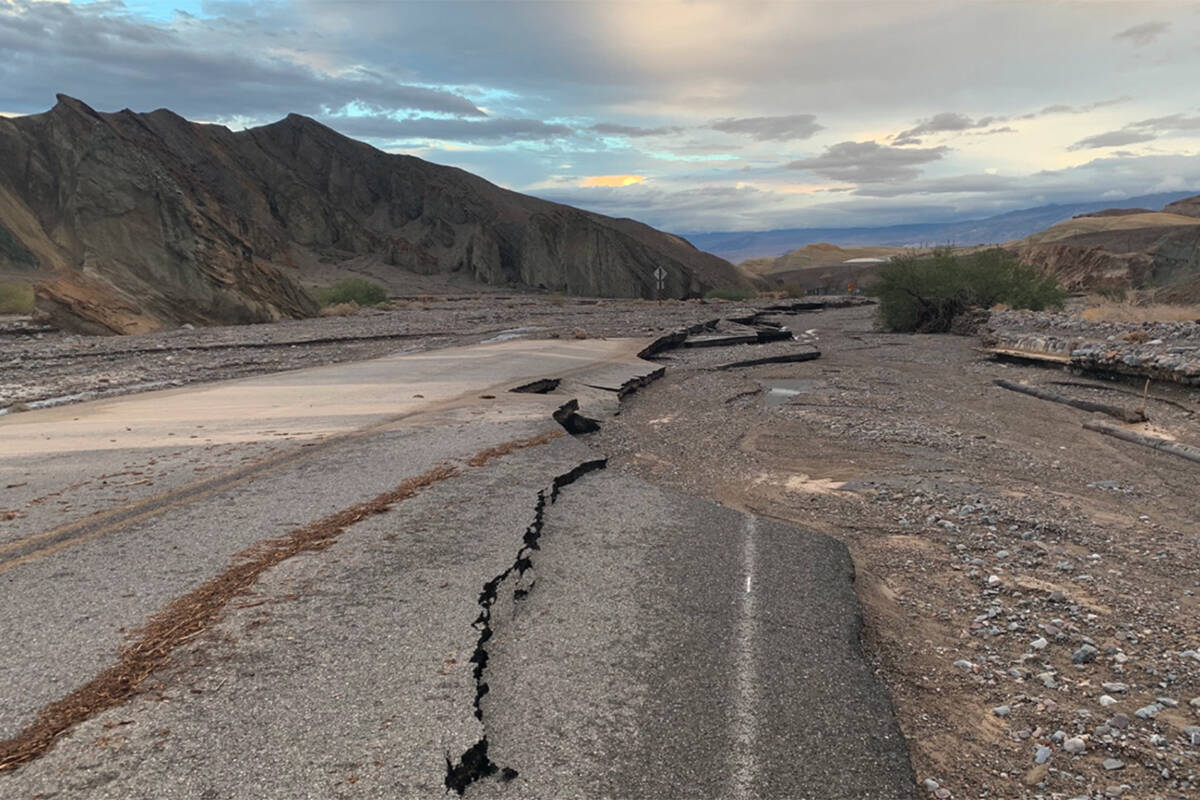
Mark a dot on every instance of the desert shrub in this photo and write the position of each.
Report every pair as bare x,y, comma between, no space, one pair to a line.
924,293
736,293
16,298
352,290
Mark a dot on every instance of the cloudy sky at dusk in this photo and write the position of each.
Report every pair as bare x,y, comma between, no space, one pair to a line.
687,114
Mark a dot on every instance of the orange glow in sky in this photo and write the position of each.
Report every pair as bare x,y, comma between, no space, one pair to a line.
612,180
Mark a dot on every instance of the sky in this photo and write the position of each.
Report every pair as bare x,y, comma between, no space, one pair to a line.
689,115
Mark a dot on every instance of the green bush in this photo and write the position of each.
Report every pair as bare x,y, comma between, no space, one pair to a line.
352,290
925,293
16,298
737,293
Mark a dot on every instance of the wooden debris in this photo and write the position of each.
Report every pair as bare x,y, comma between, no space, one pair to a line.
1123,414
1155,442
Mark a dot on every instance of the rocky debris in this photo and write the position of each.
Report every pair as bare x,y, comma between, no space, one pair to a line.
146,221
1162,350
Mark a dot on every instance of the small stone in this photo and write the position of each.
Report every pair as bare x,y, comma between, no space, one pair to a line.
1111,764
1148,712
1119,721
1002,711
1085,654
1194,703
942,794
962,663
1166,702
1075,745
1192,734
1039,643
1036,775
993,580
1042,755
1157,740
1047,679
1115,687
1057,596
1106,700
931,785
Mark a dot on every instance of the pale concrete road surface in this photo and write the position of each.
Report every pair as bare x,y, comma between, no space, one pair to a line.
631,642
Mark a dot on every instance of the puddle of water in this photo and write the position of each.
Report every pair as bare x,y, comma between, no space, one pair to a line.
779,391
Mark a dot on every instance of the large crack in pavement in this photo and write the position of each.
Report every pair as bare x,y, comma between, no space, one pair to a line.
475,764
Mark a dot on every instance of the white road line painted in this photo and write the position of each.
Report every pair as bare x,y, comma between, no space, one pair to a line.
745,767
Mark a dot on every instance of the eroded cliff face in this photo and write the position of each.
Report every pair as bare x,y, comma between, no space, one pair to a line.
141,221
1163,260
1188,207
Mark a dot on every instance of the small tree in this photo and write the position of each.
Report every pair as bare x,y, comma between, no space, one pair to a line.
925,293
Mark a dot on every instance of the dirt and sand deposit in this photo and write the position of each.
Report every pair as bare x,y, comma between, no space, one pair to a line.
1029,586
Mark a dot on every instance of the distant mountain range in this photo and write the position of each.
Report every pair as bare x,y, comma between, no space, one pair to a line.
741,245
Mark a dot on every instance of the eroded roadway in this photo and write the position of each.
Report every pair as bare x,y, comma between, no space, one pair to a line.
519,621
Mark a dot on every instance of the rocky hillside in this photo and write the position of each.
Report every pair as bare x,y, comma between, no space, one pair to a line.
1157,252
141,221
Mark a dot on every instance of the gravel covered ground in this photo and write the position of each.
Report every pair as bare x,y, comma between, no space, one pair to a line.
1029,587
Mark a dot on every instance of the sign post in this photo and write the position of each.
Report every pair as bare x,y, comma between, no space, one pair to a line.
660,277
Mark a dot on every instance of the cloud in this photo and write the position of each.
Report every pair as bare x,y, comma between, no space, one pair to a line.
1060,108
1142,131
869,162
1113,139
942,123
491,130
994,131
955,184
109,58
615,129
1174,123
792,126
1142,35
612,180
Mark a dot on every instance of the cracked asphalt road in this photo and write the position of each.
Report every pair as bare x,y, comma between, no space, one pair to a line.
661,645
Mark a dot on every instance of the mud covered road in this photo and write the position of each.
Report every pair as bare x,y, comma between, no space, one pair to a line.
400,578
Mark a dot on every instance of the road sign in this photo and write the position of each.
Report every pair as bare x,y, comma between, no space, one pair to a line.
660,277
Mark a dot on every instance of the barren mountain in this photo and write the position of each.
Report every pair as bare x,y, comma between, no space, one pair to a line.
1158,252
140,221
